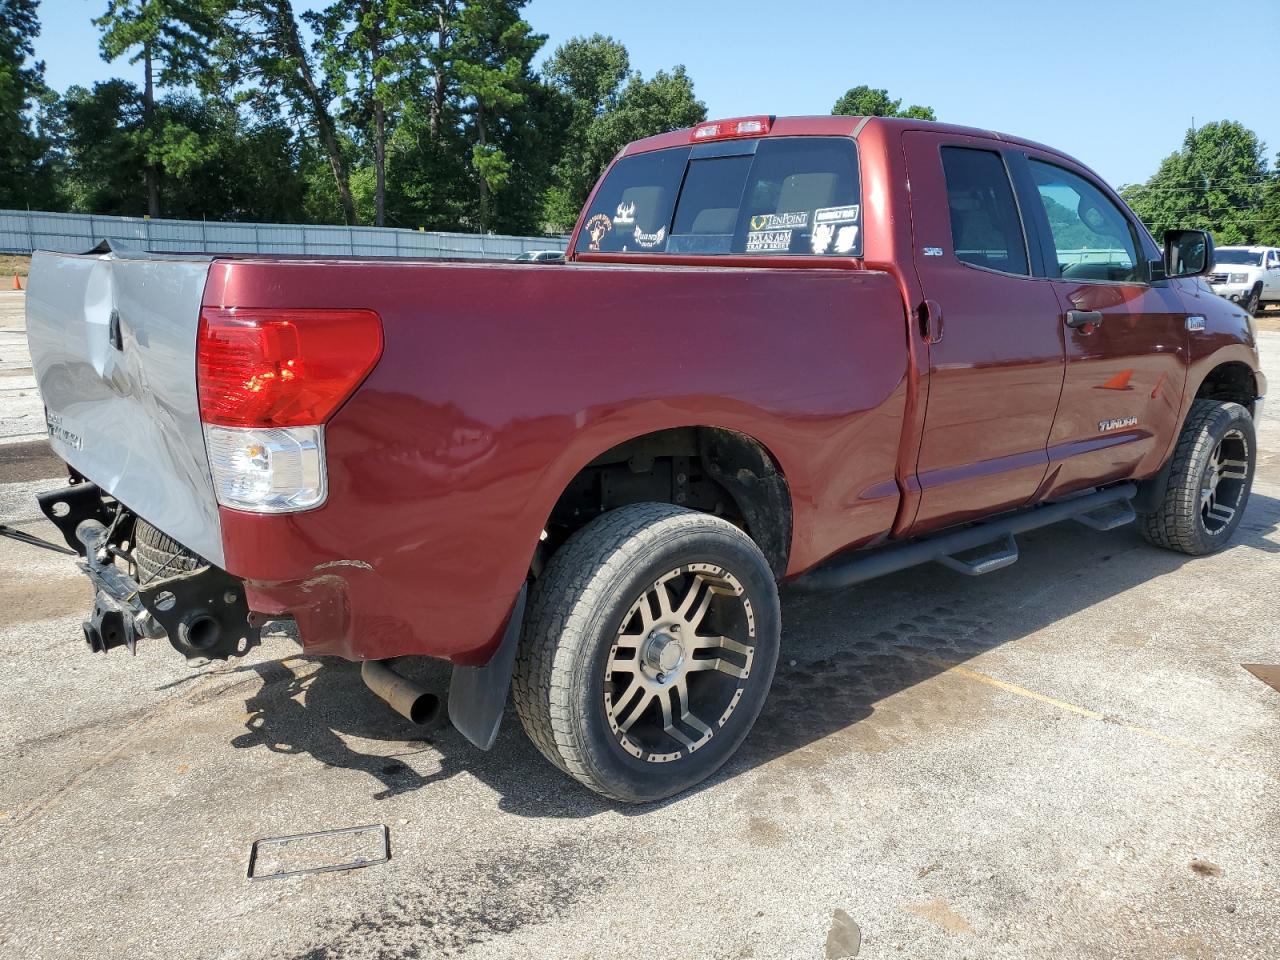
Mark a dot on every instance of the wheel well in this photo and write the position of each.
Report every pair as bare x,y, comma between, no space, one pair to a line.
704,468
1230,381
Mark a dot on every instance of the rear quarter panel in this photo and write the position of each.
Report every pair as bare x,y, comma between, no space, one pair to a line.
498,383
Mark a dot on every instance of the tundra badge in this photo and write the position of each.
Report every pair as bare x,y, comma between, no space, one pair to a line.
1118,424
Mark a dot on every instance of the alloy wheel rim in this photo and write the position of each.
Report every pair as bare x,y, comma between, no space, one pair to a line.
680,662
1223,485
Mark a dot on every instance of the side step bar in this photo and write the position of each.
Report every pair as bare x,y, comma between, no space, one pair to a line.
1103,510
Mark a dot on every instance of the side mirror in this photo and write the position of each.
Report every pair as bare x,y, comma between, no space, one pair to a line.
1187,253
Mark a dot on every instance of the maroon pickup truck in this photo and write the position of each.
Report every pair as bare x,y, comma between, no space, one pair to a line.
816,349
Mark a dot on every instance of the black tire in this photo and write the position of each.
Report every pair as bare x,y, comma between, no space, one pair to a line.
589,594
1184,521
1252,304
158,556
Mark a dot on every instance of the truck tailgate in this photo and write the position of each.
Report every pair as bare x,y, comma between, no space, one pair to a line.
113,345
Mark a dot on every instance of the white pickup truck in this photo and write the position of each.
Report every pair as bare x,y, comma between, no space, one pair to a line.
1249,276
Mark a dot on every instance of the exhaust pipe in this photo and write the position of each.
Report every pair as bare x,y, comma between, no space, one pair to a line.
404,696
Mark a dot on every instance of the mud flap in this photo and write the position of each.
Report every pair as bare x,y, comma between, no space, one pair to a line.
478,695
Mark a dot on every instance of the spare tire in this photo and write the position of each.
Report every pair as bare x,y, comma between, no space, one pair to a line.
157,555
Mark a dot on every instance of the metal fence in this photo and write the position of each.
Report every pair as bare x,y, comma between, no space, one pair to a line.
23,231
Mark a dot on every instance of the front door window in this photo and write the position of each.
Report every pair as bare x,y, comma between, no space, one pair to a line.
1093,240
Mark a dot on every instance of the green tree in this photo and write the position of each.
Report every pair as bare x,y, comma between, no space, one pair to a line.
864,101
174,35
26,171
262,55
589,73
218,164
1218,182
106,154
611,106
1269,225
493,49
372,52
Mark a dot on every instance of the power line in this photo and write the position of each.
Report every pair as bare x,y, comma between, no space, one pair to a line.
1235,186
1199,180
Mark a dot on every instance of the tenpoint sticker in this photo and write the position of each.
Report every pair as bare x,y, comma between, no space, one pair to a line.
779,221
769,241
625,214
596,228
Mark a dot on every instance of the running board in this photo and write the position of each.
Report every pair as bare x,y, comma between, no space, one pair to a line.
1109,517
1103,510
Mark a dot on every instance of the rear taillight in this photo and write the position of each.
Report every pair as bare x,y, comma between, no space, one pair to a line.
730,129
268,381
282,368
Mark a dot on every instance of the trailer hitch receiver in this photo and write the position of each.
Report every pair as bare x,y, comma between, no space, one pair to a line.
204,612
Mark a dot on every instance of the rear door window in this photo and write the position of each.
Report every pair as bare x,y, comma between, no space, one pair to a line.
986,230
791,196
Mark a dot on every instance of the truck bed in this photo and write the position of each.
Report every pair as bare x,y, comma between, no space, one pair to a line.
497,384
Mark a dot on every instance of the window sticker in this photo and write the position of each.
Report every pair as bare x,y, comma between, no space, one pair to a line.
596,228
625,214
846,238
820,239
778,221
769,241
847,214
650,240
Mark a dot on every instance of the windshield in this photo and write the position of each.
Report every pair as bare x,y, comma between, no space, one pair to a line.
792,195
1243,257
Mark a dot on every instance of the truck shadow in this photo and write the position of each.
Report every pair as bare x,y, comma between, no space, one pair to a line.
834,671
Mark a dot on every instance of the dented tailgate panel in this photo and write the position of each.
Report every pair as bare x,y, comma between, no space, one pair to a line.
120,395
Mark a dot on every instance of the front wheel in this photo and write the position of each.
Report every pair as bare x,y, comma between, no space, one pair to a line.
1209,482
1253,302
649,649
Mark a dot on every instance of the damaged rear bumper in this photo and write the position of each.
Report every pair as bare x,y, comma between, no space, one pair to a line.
203,612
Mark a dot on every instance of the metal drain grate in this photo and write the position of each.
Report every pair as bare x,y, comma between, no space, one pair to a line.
320,852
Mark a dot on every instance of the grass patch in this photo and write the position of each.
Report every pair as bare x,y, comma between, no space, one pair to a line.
13,265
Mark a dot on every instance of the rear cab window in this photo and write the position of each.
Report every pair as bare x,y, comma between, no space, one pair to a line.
796,196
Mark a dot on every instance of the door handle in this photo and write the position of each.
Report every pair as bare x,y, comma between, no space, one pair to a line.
930,316
1083,318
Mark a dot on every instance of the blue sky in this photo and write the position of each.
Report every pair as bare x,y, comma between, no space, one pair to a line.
1115,84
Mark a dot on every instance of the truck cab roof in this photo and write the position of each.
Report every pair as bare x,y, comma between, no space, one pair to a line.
831,126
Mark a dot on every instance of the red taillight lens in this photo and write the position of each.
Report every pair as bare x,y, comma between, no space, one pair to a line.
282,368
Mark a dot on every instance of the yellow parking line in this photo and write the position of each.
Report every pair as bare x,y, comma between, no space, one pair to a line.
1013,688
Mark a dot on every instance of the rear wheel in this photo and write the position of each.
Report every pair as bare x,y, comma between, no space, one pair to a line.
648,652
158,556
1209,482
